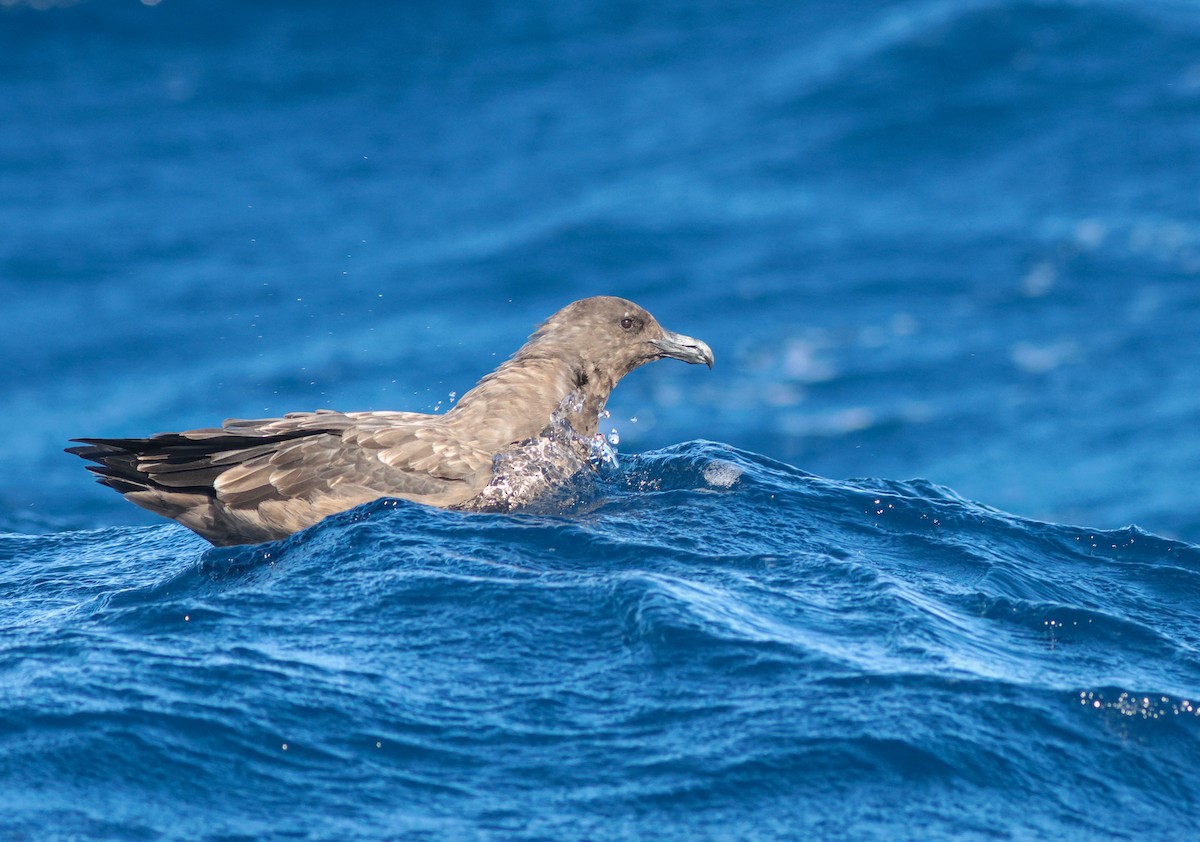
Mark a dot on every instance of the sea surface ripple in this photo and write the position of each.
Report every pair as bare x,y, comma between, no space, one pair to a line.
716,643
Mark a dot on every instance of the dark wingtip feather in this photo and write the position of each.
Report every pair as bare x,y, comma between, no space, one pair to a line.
97,450
174,463
84,452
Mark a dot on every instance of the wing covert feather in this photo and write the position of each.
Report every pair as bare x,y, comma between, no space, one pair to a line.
349,457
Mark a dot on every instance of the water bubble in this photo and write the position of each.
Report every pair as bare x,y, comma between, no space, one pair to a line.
614,438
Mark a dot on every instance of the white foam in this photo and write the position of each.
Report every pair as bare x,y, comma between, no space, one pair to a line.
721,474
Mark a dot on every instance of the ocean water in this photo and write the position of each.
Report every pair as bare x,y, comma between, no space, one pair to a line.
918,559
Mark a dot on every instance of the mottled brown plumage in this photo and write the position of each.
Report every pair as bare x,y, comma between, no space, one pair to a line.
259,480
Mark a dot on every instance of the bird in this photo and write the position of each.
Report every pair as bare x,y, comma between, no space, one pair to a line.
519,432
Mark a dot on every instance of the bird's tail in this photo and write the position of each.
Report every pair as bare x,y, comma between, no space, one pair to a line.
174,463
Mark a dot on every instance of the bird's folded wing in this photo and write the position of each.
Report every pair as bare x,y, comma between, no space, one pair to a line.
355,457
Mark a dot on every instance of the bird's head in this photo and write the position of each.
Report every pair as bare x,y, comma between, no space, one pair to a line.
570,365
606,338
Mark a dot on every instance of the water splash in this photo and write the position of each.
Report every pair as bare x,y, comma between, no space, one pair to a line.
553,471
721,474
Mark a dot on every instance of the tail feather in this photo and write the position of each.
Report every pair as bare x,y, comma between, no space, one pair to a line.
173,462
175,474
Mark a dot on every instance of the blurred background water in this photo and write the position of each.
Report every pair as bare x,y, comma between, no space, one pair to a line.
949,240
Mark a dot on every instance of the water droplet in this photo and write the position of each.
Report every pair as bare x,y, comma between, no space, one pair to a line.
614,438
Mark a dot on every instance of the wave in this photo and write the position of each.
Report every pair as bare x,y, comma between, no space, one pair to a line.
708,622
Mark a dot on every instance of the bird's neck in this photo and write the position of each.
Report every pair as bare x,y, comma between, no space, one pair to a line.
518,400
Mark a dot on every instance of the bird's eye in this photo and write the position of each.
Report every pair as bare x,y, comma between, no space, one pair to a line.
626,323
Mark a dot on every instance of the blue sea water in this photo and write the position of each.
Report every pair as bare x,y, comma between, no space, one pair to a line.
919,558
